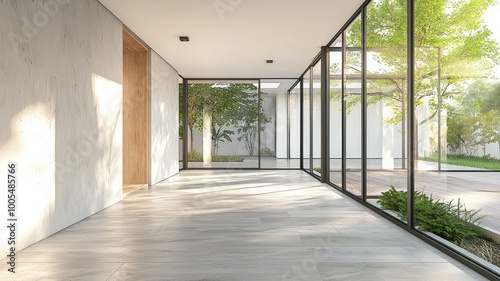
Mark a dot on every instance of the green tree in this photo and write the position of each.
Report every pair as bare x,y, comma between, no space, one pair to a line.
220,135
197,98
464,131
491,99
489,123
229,104
455,29
474,118
472,100
248,124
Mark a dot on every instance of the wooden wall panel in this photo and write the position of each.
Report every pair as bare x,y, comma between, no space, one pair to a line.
136,99
131,43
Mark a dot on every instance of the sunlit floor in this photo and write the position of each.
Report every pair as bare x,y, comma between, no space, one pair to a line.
251,163
478,190
131,188
235,225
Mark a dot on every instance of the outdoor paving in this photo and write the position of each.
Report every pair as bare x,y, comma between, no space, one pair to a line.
235,225
476,189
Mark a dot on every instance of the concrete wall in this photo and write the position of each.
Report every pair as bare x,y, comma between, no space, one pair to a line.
269,134
60,108
164,127
281,126
294,125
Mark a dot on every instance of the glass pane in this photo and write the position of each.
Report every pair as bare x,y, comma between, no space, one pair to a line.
386,102
274,147
457,89
336,113
316,117
295,127
306,126
181,118
223,124
352,96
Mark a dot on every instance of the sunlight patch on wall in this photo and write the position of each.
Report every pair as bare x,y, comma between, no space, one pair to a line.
31,147
108,102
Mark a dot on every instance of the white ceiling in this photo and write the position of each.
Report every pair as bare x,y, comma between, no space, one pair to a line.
235,39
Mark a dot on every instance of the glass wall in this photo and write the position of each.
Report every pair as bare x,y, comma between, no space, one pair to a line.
386,99
316,119
282,113
457,94
229,127
447,112
352,96
336,98
223,124
306,124
181,119
294,126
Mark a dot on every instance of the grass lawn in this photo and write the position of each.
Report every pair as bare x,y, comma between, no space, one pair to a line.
468,161
198,157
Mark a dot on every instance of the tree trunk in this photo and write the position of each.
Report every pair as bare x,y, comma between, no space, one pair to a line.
190,139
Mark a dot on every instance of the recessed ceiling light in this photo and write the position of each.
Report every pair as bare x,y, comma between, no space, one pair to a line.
184,38
269,61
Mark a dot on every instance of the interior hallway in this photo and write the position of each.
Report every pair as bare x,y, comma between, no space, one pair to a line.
235,225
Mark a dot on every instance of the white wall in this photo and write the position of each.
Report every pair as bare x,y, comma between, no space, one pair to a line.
384,139
316,98
271,130
207,136
281,126
306,140
60,108
164,118
294,126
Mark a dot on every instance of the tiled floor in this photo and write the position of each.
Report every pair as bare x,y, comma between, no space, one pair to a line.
235,225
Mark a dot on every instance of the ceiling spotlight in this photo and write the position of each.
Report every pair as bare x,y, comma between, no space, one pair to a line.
184,38
269,61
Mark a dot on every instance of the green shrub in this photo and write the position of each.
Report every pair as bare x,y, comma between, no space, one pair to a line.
394,200
195,156
317,169
266,151
227,158
448,220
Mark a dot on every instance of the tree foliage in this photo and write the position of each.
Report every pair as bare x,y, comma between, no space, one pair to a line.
232,104
248,125
474,119
455,29
220,135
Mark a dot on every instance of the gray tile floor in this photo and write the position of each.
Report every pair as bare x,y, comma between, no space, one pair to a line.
235,225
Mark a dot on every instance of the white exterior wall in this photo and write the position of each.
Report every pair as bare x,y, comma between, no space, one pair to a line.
273,129
384,140
61,112
281,127
294,126
316,125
